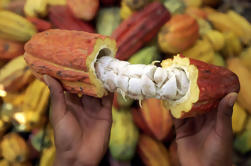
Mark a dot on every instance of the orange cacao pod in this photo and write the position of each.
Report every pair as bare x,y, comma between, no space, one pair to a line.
10,49
179,34
174,158
139,28
62,18
152,152
196,12
157,118
83,9
76,71
140,121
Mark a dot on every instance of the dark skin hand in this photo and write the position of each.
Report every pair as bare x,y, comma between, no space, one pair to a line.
82,129
206,140
81,126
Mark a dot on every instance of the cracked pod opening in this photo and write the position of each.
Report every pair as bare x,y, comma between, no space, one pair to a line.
185,103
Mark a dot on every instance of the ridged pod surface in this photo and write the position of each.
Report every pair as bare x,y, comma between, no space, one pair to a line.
208,85
69,56
139,29
179,34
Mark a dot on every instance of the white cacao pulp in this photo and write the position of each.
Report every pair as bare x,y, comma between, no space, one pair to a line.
140,81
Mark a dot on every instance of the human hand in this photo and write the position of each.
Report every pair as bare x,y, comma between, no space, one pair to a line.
206,140
81,126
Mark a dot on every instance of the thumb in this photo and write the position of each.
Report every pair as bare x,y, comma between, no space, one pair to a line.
224,114
57,99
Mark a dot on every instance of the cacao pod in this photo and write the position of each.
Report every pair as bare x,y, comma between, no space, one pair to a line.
157,118
140,122
108,20
235,65
72,62
124,135
204,26
193,3
83,9
242,143
245,57
61,18
145,55
179,34
175,6
152,152
48,156
212,83
14,148
202,50
174,158
15,27
239,118
35,8
125,11
139,28
16,6
76,72
15,75
40,24
56,2
33,106
218,60
122,102
10,49
248,125
136,5
232,46
196,12
7,163
216,38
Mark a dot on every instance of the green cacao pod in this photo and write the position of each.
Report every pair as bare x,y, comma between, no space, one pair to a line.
175,6
242,142
108,20
124,135
145,56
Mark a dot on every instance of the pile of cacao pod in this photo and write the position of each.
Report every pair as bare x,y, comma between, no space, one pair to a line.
146,31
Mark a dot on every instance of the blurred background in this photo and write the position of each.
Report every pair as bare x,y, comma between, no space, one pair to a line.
214,31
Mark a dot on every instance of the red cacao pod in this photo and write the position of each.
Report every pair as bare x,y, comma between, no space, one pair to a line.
40,24
179,34
62,18
208,85
139,29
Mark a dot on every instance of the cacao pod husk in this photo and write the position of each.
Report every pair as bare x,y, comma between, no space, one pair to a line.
139,28
62,18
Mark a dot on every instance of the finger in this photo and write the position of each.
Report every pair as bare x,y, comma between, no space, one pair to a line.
107,101
57,99
224,115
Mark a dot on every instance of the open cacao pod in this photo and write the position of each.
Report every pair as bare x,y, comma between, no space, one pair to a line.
83,63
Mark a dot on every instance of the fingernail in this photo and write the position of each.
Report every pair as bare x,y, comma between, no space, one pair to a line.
232,99
45,77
